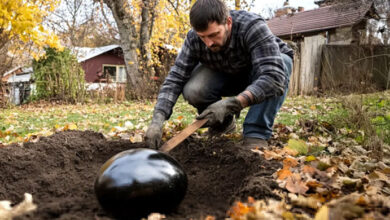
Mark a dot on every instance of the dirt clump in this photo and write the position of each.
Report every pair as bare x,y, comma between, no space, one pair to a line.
59,171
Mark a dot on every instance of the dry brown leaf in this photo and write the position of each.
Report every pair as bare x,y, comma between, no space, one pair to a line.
361,201
239,210
209,217
309,170
290,151
290,162
302,201
313,184
376,175
156,216
284,173
8,213
386,171
251,200
270,155
322,214
331,170
295,185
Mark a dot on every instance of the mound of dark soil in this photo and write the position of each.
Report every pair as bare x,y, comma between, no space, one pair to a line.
59,171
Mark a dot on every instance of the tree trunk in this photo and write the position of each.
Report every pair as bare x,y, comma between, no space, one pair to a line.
147,20
128,35
144,30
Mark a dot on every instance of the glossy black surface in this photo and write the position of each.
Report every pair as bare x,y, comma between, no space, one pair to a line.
136,182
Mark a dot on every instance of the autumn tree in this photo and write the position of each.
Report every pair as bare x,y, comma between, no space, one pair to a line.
142,23
80,23
242,4
21,28
125,20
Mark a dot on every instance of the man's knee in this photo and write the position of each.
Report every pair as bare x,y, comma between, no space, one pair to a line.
288,62
202,87
194,94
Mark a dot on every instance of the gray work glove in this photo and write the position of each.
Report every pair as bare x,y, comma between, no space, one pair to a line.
218,111
154,133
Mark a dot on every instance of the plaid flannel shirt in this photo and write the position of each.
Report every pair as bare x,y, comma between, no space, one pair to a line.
252,47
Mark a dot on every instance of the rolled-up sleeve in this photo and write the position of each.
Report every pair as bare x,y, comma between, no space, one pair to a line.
178,75
269,76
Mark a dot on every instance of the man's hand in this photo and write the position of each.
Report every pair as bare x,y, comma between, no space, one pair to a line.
154,133
217,112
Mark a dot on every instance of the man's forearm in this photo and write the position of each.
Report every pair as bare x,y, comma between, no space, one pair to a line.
246,98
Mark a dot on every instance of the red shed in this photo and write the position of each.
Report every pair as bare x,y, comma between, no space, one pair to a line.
103,64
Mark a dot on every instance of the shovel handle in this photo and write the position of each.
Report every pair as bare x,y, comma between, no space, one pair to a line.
176,140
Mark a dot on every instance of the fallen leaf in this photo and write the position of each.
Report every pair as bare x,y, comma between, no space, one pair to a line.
290,152
284,173
322,214
290,162
376,175
386,171
129,125
322,166
239,210
309,170
295,185
136,138
270,155
251,200
209,217
302,201
180,117
8,213
70,126
298,145
310,158
156,216
313,184
288,216
361,201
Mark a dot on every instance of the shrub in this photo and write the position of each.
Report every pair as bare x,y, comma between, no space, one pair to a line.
58,76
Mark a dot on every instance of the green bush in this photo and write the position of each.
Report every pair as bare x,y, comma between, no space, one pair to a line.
59,76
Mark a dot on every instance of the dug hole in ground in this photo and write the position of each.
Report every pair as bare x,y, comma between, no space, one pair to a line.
59,171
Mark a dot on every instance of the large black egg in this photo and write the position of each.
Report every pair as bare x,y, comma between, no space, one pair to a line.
136,182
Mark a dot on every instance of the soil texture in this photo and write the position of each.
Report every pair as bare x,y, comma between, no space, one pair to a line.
60,170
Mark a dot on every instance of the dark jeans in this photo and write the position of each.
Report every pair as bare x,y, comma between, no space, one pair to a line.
207,86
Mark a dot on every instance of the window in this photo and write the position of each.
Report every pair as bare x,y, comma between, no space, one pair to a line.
116,73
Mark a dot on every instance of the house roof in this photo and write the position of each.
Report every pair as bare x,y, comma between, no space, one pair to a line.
19,78
11,71
18,73
323,18
86,53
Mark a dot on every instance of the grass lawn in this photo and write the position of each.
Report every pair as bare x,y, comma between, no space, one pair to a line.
20,123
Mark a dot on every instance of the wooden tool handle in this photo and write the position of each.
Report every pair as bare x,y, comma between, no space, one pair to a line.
176,140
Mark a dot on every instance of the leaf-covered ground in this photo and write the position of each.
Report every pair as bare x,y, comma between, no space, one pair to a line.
23,123
334,152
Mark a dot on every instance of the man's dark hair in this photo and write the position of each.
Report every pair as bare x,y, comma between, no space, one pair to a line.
204,12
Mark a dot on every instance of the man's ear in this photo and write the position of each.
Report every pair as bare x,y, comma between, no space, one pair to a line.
229,21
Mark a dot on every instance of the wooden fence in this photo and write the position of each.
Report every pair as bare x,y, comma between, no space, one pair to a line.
349,68
339,68
306,71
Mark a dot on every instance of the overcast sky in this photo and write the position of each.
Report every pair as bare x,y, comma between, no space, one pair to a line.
262,6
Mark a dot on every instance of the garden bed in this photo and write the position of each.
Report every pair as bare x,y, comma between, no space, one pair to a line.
59,171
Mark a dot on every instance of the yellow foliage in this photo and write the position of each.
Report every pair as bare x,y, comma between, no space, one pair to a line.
171,24
23,19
